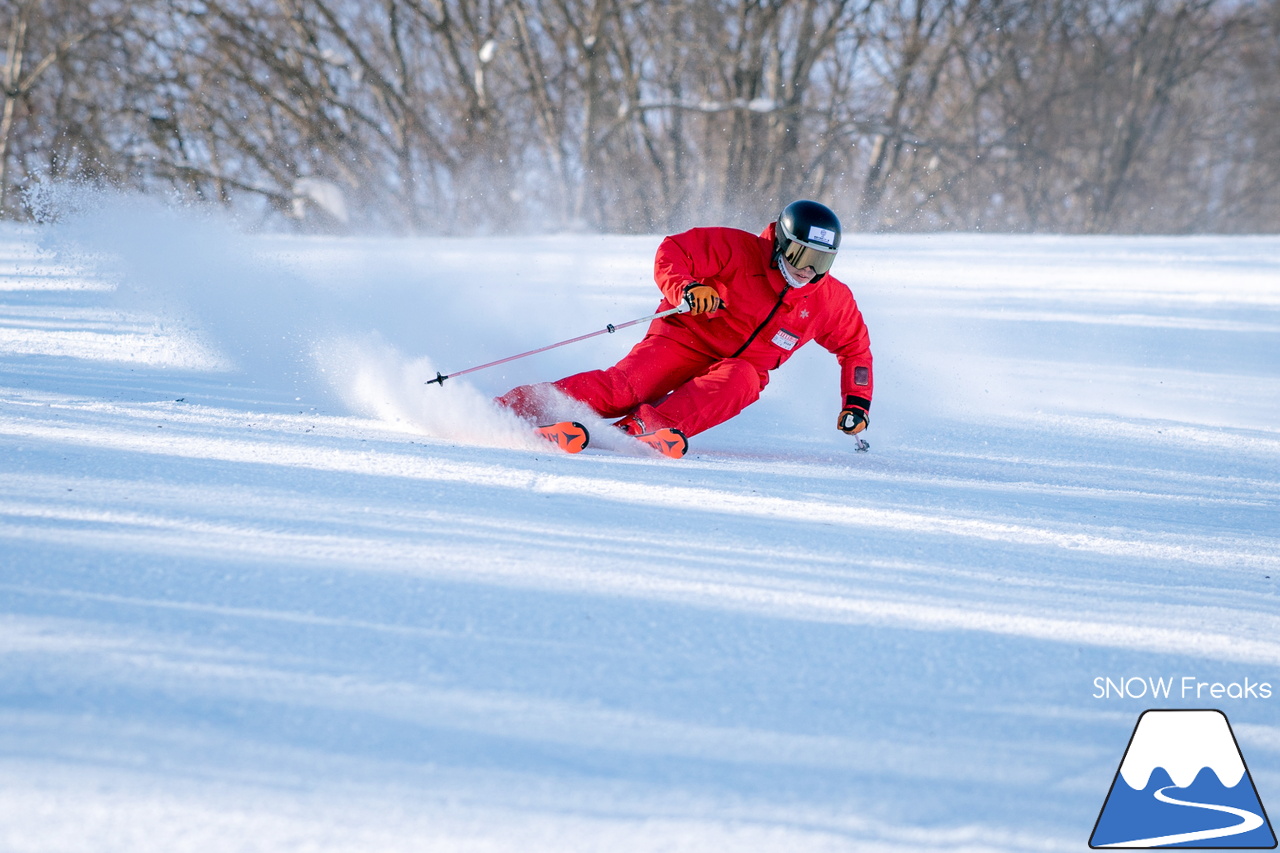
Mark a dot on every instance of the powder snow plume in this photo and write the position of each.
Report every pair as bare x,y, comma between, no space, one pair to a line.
375,380
285,324
192,268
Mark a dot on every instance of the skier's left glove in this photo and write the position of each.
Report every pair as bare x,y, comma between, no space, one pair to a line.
853,420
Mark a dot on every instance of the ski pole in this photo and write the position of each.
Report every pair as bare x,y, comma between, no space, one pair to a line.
607,330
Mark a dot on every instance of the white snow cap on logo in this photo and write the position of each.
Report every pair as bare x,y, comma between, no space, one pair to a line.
1182,742
821,235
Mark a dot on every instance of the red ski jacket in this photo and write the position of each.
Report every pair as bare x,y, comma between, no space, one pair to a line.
764,320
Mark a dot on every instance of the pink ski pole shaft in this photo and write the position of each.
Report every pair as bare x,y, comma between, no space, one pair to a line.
607,330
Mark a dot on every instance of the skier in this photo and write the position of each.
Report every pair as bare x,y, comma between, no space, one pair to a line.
753,301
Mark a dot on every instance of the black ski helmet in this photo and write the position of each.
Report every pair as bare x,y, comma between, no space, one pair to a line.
807,235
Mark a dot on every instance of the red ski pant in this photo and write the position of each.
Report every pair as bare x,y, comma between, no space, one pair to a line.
665,384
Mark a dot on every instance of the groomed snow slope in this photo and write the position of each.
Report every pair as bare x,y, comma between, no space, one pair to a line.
263,590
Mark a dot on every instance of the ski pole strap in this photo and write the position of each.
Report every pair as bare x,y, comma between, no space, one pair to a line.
607,330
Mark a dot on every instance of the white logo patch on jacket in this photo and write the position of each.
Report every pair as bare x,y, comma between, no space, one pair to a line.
786,340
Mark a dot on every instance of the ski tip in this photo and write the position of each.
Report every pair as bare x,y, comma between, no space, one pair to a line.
667,441
569,436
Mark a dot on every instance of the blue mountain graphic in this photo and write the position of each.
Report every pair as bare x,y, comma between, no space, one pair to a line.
1130,814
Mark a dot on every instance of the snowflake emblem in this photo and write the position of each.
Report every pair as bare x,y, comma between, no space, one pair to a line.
804,313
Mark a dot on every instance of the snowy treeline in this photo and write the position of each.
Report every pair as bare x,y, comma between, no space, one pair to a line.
460,116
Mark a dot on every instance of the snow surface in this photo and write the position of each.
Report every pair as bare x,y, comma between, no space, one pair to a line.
264,590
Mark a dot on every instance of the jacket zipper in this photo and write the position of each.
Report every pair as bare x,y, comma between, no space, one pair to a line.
776,306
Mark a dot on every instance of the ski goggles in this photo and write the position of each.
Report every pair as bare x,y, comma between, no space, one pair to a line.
800,255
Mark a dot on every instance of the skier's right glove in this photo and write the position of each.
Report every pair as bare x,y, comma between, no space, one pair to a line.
701,298
853,420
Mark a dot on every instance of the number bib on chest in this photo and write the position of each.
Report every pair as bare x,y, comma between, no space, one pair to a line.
786,340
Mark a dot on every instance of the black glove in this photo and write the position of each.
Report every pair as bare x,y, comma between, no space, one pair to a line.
701,298
853,420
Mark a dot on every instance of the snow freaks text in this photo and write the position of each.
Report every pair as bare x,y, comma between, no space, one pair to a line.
1178,687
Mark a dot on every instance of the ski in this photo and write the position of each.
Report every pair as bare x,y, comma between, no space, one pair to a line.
572,437
569,436
667,441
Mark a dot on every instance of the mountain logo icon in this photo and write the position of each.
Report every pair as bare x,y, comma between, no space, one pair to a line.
1183,783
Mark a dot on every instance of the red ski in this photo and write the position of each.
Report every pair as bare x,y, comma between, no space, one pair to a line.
569,436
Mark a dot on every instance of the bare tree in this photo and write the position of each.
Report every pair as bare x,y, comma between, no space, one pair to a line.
913,44
473,115
45,63
1147,52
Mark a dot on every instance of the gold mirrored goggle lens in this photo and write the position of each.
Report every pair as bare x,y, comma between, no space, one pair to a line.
800,256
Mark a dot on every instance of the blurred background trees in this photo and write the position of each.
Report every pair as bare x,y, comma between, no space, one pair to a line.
486,116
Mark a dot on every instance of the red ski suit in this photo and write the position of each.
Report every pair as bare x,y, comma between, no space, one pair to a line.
693,372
